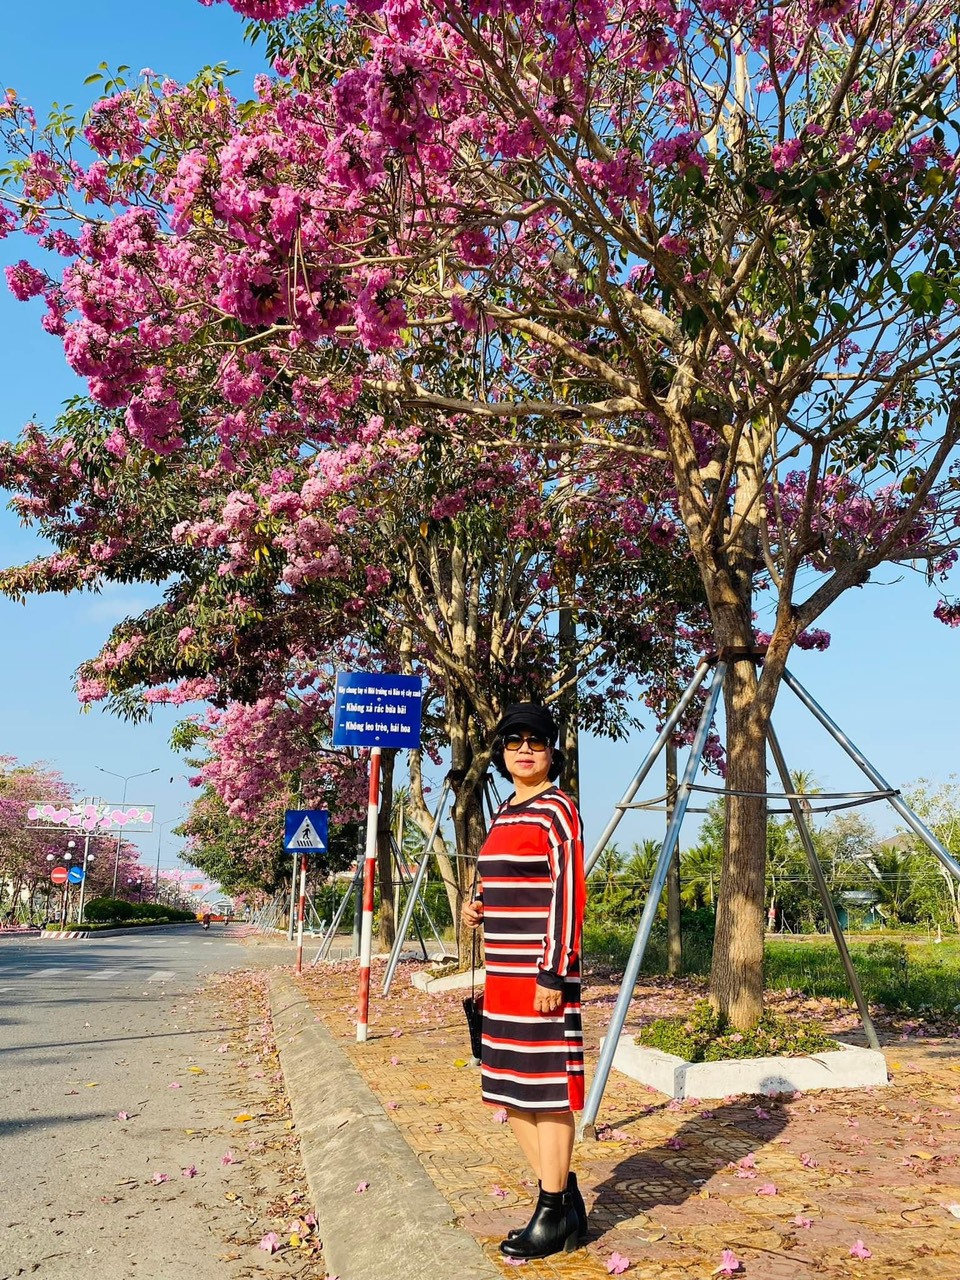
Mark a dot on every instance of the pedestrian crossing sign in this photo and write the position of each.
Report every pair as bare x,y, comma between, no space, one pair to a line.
305,830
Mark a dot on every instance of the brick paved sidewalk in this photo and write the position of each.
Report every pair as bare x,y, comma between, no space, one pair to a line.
791,1185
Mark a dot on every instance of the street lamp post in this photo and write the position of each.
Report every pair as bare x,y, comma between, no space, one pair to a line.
125,779
156,878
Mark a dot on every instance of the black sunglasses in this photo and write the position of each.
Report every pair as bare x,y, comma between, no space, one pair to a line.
514,741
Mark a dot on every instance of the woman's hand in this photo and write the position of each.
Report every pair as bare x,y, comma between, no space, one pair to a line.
545,1000
472,913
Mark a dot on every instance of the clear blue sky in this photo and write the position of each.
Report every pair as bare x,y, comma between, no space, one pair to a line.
888,678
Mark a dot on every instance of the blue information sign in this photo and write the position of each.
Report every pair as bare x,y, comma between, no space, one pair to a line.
75,875
305,830
377,710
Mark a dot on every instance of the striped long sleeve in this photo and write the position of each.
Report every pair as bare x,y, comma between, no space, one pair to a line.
562,940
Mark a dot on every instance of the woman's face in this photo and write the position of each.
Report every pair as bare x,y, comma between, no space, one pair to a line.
527,757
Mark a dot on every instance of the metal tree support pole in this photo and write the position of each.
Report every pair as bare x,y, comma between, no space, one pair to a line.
328,936
401,882
898,803
670,840
406,879
414,892
369,869
817,872
648,762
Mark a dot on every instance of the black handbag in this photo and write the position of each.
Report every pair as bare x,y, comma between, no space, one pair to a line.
473,1003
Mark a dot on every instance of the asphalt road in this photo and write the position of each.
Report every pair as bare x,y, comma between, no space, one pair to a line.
89,1029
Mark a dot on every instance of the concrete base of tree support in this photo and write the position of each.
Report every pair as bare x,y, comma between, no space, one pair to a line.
846,1067
449,982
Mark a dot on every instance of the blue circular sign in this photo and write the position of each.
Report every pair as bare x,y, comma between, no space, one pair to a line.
75,875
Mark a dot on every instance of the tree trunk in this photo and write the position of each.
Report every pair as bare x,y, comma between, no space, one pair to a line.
388,924
736,979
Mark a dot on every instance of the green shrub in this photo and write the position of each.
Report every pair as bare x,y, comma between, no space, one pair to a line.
101,910
703,1037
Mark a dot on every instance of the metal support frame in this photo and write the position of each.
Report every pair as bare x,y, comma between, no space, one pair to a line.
327,939
414,893
648,762
823,889
670,840
687,786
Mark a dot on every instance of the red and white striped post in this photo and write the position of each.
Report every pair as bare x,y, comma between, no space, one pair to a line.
366,923
300,912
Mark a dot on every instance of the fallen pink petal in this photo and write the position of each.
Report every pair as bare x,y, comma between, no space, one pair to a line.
498,1192
730,1264
768,1189
617,1264
361,1186
801,1221
190,1171
860,1250
500,1115
122,1115
270,1243
160,1177
173,1085
228,1158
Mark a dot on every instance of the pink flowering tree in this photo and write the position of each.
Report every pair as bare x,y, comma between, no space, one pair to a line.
715,244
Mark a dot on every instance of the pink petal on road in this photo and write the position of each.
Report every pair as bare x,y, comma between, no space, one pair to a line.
500,1115
617,1264
190,1171
361,1186
730,1264
173,1085
514,1262
860,1250
801,1221
160,1177
674,1144
807,1161
270,1243
498,1192
228,1158
122,1115
768,1189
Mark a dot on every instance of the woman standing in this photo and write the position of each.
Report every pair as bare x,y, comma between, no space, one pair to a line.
530,902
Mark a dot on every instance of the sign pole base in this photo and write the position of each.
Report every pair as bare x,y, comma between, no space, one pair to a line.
366,923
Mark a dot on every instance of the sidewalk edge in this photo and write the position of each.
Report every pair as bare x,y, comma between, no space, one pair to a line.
401,1228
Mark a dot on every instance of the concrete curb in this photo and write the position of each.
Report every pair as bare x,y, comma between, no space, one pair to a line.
59,934
401,1228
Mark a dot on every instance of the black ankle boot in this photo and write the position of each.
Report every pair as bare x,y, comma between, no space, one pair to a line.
579,1208
552,1229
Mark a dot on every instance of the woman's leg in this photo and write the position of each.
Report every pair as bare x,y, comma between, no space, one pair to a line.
555,1134
524,1126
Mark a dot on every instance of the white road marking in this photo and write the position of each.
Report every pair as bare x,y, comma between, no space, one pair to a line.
105,973
47,973
161,975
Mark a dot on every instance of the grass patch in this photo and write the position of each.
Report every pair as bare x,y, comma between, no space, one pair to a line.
904,975
703,1037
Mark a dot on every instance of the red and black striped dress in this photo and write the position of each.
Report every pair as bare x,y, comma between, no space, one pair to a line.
531,873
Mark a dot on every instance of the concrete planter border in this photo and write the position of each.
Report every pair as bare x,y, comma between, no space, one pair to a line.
846,1067
449,982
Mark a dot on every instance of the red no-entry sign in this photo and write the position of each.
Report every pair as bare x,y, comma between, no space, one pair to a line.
59,875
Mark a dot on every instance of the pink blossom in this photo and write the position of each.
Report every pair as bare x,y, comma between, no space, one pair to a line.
802,1222
768,1189
228,1158
360,1188
617,1263
730,1265
160,1177
860,1250
190,1171
270,1242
